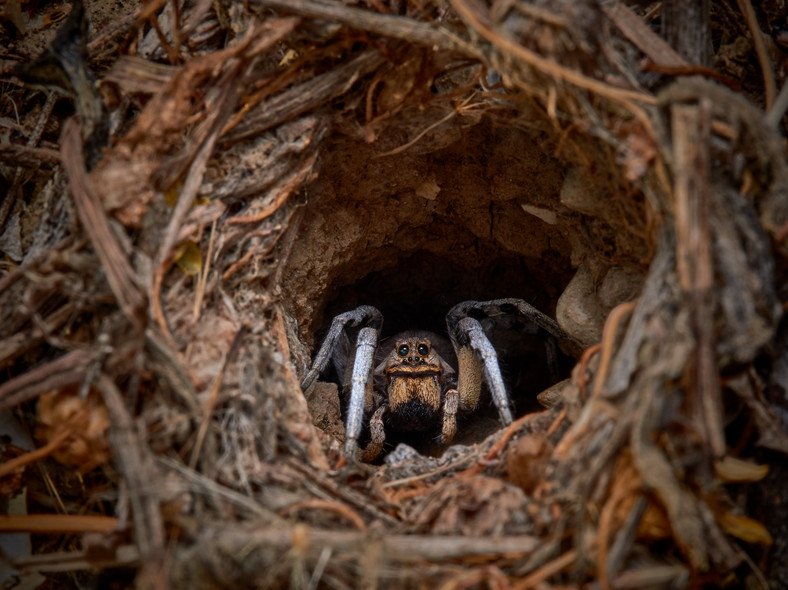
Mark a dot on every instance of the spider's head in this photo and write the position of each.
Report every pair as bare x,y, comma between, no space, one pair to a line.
413,352
414,372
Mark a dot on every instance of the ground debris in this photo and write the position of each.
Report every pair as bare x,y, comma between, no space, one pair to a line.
272,163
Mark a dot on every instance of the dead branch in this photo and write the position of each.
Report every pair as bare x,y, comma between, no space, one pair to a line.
138,471
397,27
120,275
69,369
28,157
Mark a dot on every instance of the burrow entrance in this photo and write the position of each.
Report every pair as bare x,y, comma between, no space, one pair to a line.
478,216
418,232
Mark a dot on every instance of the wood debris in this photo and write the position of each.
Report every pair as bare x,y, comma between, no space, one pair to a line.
175,241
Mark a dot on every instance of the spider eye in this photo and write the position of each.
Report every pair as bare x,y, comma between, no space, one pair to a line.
403,350
423,349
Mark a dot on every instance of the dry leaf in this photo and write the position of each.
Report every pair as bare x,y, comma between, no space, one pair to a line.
732,470
189,258
744,528
527,460
87,419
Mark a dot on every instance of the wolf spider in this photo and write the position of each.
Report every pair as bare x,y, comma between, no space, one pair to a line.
410,383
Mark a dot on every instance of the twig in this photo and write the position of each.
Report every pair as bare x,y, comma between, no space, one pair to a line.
214,122
608,342
624,97
335,507
200,484
694,262
60,524
690,70
279,330
624,488
687,27
405,146
547,570
125,555
163,361
135,466
68,369
679,503
18,462
770,88
11,278
641,36
121,277
293,182
114,27
343,492
320,567
199,294
306,96
397,27
29,157
658,576
210,403
288,241
776,113
582,367
627,357
238,264
40,329
511,430
450,467
625,537
396,548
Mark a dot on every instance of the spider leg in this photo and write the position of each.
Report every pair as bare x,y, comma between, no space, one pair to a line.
511,306
377,434
475,354
371,320
450,405
362,373
364,314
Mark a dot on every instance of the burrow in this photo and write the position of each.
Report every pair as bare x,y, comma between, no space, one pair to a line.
482,208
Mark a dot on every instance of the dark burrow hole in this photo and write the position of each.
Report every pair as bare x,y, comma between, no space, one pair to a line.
476,216
417,292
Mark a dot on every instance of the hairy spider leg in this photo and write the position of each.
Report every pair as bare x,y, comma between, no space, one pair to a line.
361,378
512,306
469,377
509,306
362,375
377,435
450,405
470,338
362,315
476,356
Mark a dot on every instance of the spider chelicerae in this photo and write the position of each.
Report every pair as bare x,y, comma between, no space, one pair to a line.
418,380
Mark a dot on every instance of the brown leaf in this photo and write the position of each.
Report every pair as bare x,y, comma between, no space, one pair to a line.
87,419
732,470
527,460
744,528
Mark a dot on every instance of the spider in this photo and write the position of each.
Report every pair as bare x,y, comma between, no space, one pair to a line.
410,383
